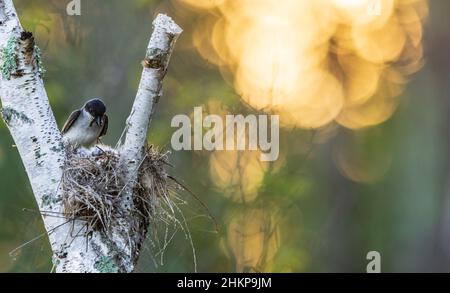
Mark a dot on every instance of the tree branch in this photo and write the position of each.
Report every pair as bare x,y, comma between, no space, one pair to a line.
159,50
27,113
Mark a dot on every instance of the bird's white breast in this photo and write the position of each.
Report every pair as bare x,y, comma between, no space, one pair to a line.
82,133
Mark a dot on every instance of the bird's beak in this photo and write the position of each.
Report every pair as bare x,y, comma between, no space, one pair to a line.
98,120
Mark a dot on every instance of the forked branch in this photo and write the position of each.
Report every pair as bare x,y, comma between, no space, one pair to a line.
28,115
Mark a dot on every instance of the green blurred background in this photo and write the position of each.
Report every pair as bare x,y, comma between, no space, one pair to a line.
299,214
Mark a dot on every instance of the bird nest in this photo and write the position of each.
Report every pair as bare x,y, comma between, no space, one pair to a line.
92,186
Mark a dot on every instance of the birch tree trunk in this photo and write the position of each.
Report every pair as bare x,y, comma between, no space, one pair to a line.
28,115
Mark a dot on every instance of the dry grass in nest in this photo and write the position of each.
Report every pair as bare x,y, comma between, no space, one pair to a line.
92,186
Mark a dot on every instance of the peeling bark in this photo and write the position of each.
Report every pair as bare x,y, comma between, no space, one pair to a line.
28,115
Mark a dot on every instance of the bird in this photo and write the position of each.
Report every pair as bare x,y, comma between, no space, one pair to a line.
85,126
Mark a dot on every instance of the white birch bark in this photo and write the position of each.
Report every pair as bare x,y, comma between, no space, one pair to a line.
159,50
28,115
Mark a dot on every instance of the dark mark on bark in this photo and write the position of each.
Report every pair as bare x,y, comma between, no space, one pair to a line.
27,43
57,148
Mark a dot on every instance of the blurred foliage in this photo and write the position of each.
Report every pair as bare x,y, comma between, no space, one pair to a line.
339,189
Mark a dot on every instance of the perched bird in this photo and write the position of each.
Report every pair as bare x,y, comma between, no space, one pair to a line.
86,125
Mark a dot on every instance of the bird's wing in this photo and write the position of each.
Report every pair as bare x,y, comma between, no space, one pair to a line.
74,116
105,125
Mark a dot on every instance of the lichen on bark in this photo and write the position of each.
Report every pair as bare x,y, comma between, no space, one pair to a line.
9,61
106,265
39,62
9,113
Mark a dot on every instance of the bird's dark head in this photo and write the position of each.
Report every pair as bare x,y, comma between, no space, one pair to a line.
95,107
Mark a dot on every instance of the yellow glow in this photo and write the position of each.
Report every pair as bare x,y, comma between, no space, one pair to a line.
253,237
315,62
238,174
